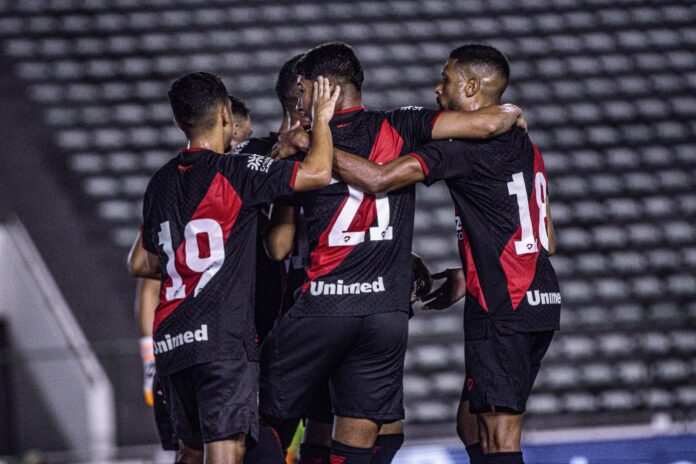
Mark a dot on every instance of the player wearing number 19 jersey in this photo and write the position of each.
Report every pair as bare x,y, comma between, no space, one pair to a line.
499,188
200,214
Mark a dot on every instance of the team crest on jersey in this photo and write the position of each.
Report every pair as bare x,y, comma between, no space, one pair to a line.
259,163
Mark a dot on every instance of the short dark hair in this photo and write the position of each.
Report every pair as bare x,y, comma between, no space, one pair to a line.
486,56
335,59
194,99
239,108
286,84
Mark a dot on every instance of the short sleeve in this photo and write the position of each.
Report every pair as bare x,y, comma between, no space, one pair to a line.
414,124
443,159
259,179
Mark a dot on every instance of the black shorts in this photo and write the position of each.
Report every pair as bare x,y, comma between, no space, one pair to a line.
501,370
361,358
217,399
165,427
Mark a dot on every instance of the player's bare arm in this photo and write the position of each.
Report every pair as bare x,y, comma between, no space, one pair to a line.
483,123
137,265
315,171
377,178
281,234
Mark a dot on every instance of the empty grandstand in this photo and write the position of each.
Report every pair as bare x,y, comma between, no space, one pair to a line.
608,88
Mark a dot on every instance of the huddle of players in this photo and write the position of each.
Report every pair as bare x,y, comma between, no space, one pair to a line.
347,326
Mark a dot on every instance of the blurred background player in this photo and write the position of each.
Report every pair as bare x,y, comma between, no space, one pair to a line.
505,233
205,206
241,127
363,357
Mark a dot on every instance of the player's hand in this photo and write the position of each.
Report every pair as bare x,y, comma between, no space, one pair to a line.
291,142
149,370
451,291
521,122
324,101
512,115
422,279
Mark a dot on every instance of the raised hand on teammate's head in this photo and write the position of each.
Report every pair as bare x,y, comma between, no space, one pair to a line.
451,291
324,101
290,142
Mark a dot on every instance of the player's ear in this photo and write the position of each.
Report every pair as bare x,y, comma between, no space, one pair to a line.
472,86
226,115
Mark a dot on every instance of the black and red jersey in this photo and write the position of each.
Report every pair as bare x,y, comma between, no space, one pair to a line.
360,244
257,145
499,189
200,216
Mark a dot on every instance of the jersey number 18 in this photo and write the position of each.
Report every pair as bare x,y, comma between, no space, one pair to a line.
517,187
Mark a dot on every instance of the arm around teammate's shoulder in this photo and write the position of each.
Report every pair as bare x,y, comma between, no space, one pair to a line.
483,123
374,178
315,171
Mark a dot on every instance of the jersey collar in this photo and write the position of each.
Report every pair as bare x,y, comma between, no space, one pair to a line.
347,115
191,155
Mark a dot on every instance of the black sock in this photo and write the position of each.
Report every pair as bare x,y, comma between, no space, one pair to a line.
386,447
504,458
267,450
311,453
475,454
344,454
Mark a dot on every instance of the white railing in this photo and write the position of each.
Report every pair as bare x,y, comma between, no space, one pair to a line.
74,387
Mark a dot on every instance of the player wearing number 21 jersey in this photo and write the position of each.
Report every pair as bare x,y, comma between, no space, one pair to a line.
200,215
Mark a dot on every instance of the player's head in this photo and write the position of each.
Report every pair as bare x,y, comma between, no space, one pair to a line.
241,121
201,104
287,91
337,62
475,75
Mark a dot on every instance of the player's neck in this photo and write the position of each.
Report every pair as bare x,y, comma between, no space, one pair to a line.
207,141
484,102
350,99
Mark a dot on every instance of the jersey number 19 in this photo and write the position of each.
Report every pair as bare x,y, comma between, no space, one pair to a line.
206,266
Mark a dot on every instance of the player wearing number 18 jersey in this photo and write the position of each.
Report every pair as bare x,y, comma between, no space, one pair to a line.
200,214
499,187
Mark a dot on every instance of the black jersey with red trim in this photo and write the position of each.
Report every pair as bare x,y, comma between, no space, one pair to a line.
270,274
257,145
360,244
200,216
499,189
